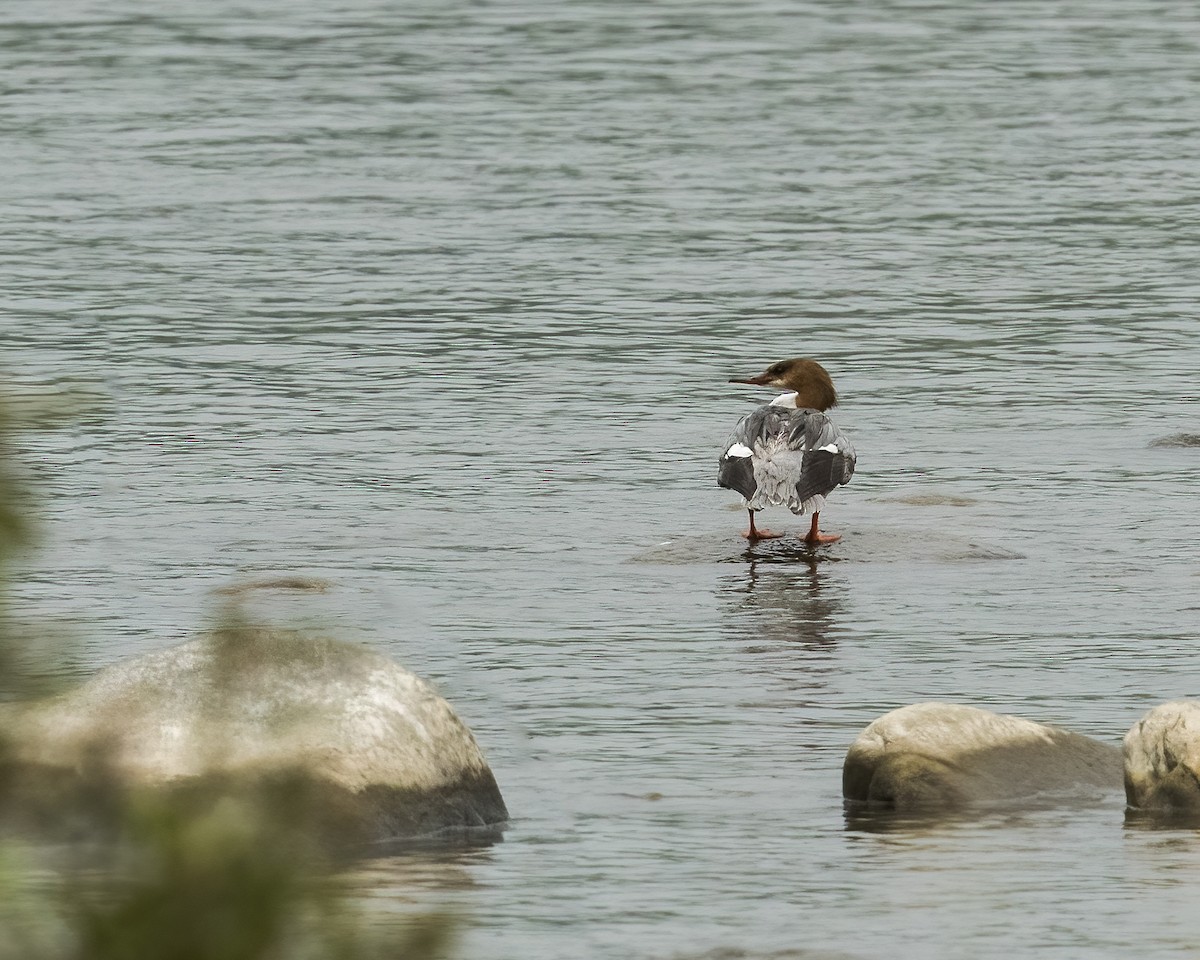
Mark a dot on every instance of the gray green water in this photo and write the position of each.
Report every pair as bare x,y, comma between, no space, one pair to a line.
438,302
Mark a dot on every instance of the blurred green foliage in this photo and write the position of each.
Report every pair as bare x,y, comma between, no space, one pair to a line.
15,534
237,882
238,878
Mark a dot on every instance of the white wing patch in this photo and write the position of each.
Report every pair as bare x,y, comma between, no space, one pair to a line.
738,450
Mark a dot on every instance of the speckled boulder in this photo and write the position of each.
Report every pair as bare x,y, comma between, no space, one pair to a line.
1162,759
942,755
379,753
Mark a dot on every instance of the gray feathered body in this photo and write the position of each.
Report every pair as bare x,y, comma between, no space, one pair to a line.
780,455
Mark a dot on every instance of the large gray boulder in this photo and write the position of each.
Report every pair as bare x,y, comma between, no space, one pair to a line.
931,756
1162,759
369,748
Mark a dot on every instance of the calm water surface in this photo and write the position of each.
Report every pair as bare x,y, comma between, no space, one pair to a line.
439,301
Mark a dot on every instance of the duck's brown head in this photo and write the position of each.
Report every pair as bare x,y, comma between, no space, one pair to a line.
808,378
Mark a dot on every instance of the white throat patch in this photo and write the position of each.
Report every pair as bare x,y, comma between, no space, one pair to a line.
785,400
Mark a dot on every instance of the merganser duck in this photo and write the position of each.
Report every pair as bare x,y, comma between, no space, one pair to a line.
788,452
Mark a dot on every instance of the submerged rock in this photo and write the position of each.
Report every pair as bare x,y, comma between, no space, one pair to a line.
370,750
1177,440
932,500
1162,759
941,755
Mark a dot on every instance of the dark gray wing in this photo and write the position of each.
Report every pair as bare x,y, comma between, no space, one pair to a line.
829,457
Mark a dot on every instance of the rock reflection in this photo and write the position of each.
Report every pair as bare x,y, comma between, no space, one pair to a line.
412,875
1187,821
406,892
772,602
863,819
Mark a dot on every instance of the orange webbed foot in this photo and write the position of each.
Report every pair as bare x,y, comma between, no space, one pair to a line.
816,538
753,535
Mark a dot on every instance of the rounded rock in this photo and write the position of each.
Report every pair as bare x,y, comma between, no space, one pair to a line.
372,748
942,755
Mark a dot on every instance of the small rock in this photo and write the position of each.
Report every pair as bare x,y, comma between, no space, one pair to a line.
1162,759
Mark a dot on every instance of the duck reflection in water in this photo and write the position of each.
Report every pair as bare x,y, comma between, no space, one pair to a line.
786,600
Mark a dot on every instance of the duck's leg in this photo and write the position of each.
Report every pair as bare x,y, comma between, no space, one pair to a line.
814,535
754,534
